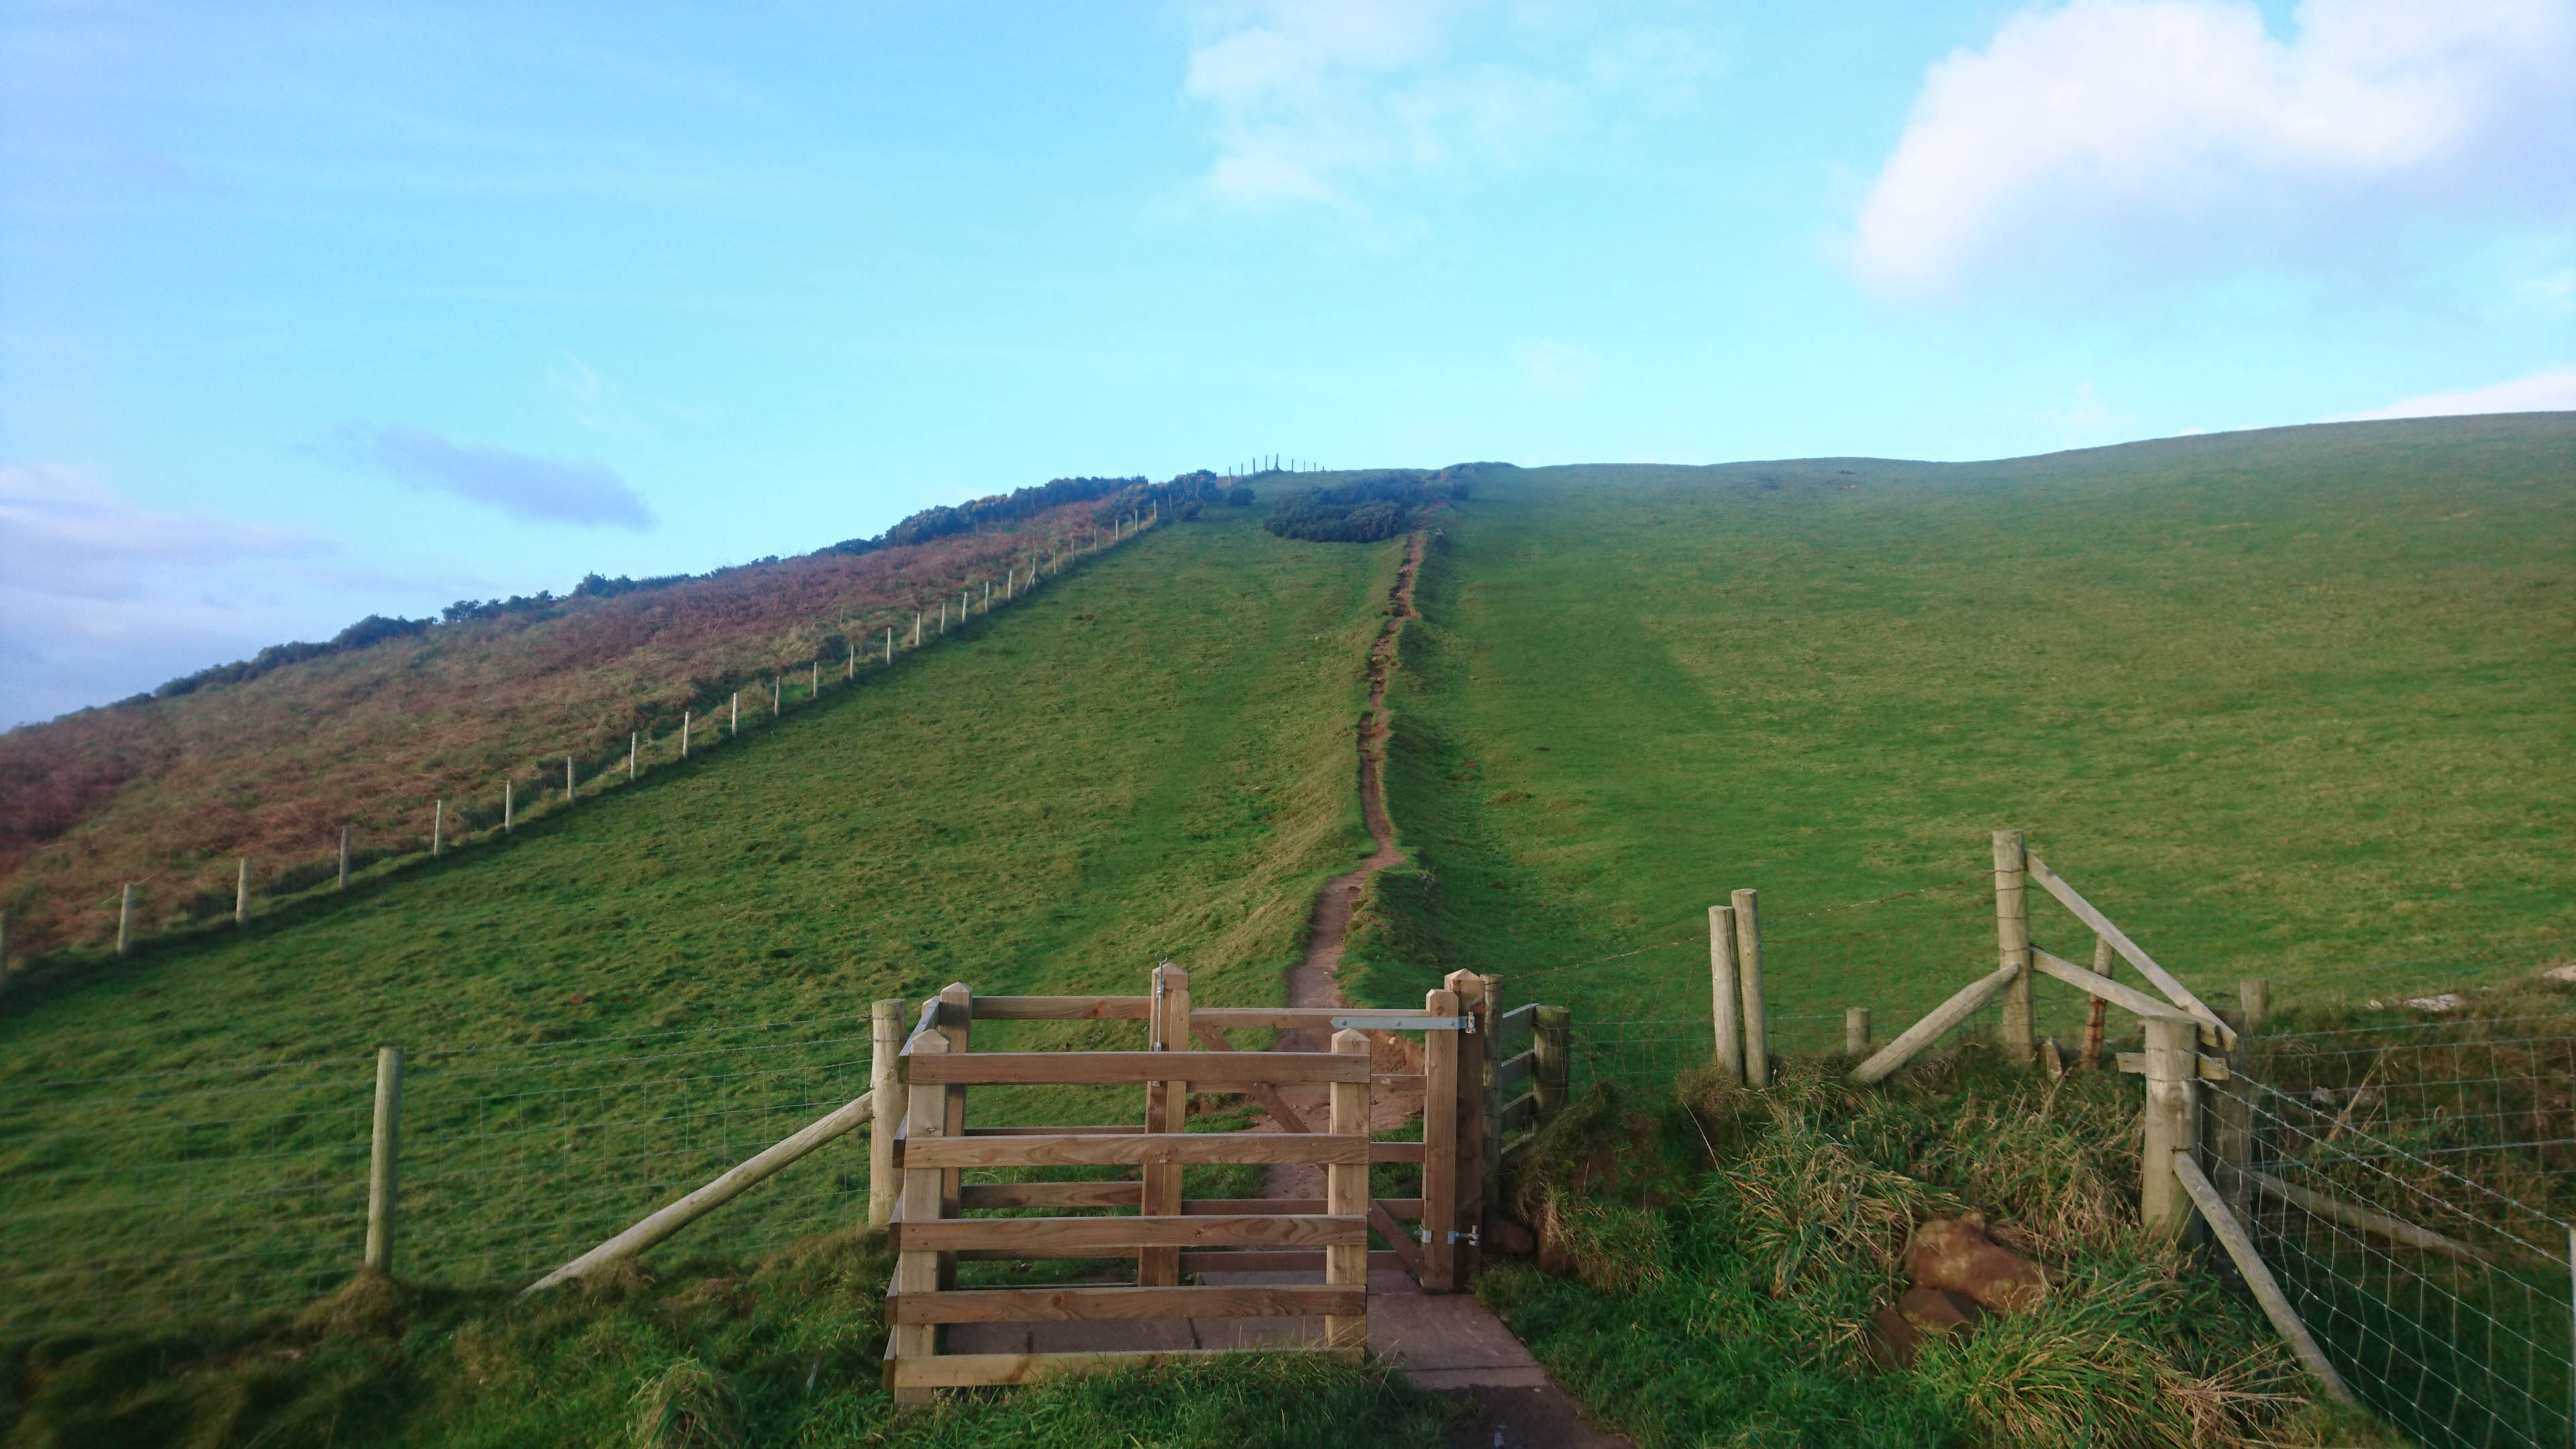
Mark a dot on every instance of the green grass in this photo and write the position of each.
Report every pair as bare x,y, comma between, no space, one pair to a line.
1151,758
2281,703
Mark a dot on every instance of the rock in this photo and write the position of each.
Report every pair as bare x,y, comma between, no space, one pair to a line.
1937,1311
1892,1342
1956,1254
1506,1235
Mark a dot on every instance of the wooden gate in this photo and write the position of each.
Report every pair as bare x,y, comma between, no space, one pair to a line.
1171,1238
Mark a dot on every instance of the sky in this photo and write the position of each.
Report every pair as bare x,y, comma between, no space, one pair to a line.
314,311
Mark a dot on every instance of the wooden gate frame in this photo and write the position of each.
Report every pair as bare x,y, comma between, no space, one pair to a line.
1171,1236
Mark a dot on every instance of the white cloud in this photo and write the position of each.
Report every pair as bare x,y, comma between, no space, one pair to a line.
2553,390
64,533
1307,100
2136,108
551,490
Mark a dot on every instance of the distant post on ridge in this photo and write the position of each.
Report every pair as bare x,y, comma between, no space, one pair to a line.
344,859
125,920
241,895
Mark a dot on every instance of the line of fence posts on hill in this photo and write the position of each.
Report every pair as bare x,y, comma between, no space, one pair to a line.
348,859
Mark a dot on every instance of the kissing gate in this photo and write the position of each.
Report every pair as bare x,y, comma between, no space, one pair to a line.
1321,1243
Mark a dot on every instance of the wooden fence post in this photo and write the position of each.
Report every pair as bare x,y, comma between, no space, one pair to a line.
2012,941
2173,1073
1442,1178
1346,1195
886,1023
438,828
509,795
2229,1125
1725,995
384,1154
2096,1010
1480,1115
634,746
957,1029
925,1118
1855,1031
889,647
2255,995
734,727
684,734
344,859
241,895
1552,1068
570,792
1167,1106
1748,968
125,920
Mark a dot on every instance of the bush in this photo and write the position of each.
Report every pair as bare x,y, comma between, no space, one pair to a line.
1375,506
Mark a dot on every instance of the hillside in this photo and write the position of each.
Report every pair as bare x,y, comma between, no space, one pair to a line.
2285,703
270,759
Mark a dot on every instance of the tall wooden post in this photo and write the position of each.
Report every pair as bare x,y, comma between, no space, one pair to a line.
241,895
1725,994
1346,1195
1440,1163
1748,966
851,643
956,1027
890,648
1480,1115
344,859
734,725
925,1117
509,797
916,628
384,1155
2096,1013
569,793
684,734
634,746
814,683
1552,1063
885,1080
2255,996
2020,1042
1167,1107
437,829
1855,1031
777,695
2173,1119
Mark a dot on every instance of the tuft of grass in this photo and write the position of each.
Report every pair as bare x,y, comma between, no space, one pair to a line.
685,1406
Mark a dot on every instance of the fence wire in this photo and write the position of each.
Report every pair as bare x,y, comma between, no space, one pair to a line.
195,1194
2411,1189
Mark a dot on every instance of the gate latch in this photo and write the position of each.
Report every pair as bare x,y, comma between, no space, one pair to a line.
1472,1237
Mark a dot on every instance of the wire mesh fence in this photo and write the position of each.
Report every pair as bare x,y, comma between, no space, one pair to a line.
200,1194
2410,1187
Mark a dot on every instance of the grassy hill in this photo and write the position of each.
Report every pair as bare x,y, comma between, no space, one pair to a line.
271,758
2284,703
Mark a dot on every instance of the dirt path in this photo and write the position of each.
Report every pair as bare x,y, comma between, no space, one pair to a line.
1315,981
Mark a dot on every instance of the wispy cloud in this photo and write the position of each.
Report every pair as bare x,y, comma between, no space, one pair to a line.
1319,100
2146,108
550,490
2552,390
64,533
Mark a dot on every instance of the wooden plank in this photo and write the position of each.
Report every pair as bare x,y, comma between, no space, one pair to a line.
1167,1102
1063,1008
1437,1267
978,1370
1514,1019
1408,1083
2164,980
1480,1137
1230,1018
1057,1305
956,1026
1201,1069
1517,1069
2258,1276
1255,1260
1406,1247
1052,1194
1114,1129
2127,998
1078,1236
1270,1100
725,1188
1929,1030
1346,1196
2353,1215
1395,1152
1520,1112
1139,1148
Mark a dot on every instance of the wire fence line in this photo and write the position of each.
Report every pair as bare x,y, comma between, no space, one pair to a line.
211,1192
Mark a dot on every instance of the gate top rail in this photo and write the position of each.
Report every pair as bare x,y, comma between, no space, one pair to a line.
1129,1068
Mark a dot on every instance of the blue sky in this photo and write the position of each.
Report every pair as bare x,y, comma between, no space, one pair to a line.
313,311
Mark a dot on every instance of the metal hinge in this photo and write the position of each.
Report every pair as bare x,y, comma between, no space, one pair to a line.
1413,1022
1473,1237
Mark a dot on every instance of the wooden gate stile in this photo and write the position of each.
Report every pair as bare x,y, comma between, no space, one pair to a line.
938,1145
